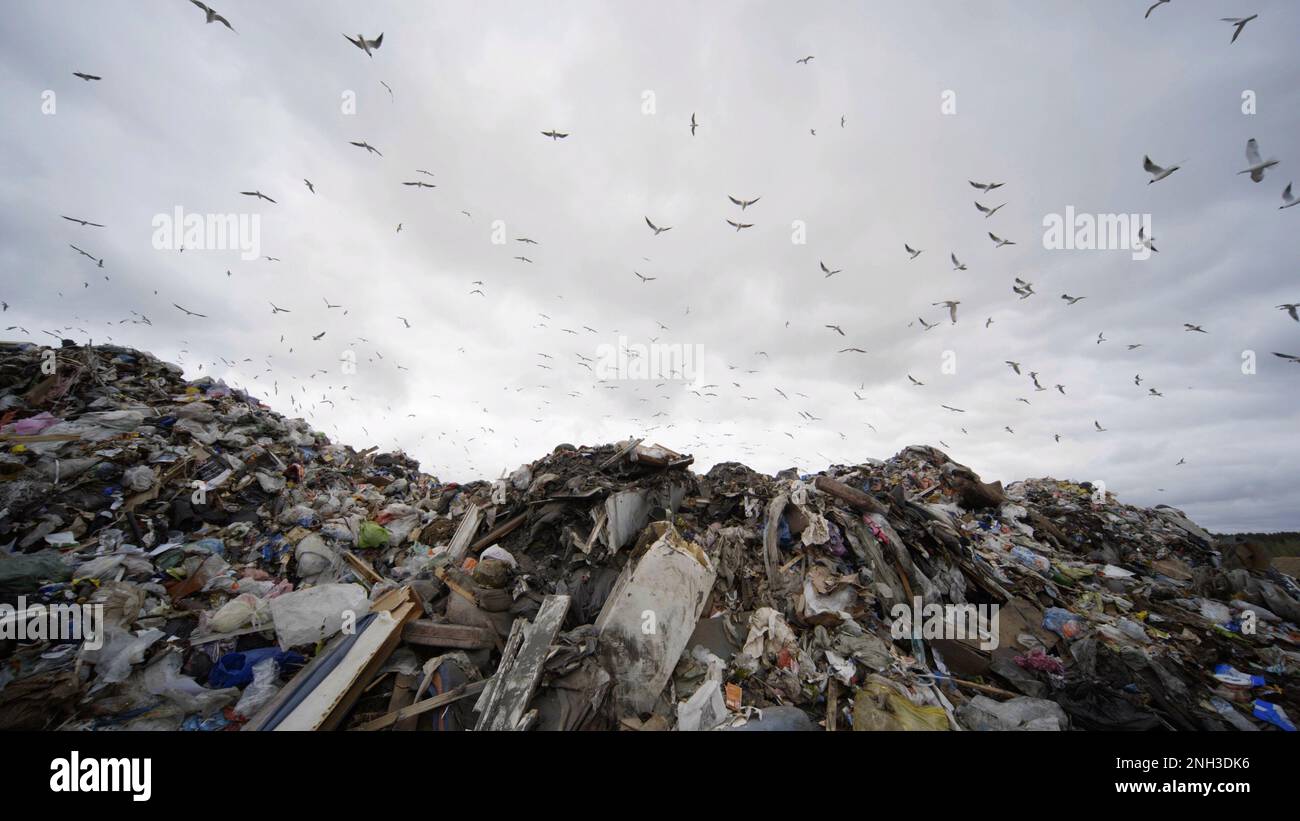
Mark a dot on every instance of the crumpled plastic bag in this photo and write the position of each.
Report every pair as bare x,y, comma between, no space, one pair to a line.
121,650
24,572
879,706
706,708
139,478
1020,713
240,611
263,688
768,634
313,557
163,678
372,535
307,616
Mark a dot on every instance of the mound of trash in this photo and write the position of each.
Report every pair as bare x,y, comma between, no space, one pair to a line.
178,556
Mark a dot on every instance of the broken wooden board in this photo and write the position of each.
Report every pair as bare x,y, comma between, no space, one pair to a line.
498,533
460,541
362,568
506,705
849,495
326,706
427,633
398,717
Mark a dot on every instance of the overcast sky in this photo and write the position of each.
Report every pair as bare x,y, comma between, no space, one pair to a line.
1057,101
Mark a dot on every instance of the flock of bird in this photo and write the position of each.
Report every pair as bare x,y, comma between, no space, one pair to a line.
303,399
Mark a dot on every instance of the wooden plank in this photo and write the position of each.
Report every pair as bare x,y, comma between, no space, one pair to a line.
421,707
464,534
431,634
487,699
498,533
320,703
407,611
517,681
832,704
363,569
403,694
771,537
849,495
620,454
325,707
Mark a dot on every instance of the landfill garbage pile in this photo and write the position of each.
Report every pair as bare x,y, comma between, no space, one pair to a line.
178,556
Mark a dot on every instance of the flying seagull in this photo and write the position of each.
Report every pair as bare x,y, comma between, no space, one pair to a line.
317,337
83,223
1288,357
951,305
554,135
404,321
998,242
836,329
367,146
956,266
188,312
1290,308
827,271
1154,6
1257,166
1187,326
365,45
1098,426
100,262
86,77
924,324
310,187
985,186
1025,289
743,203
988,212
1015,366
805,60
1157,173
1072,299
739,225
912,252
257,194
278,310
420,184
854,350
1145,241
656,228
694,125
914,380
212,16
644,279
1239,23
1288,199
